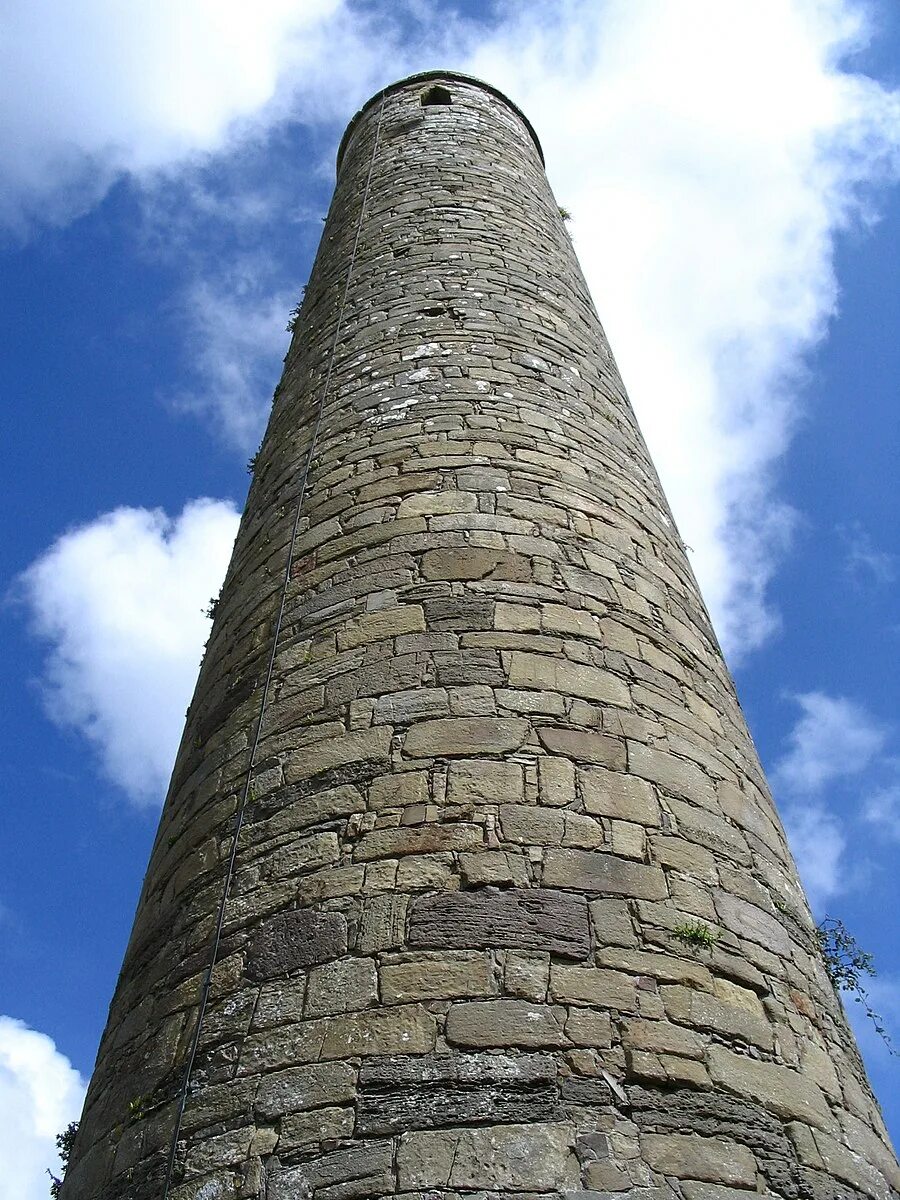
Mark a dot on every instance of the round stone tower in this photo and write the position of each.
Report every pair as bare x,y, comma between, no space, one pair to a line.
468,883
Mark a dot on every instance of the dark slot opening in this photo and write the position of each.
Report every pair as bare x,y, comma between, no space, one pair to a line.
437,95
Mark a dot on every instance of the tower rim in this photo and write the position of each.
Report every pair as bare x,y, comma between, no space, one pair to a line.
425,77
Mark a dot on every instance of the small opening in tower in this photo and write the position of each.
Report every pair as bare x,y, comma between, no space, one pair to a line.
437,95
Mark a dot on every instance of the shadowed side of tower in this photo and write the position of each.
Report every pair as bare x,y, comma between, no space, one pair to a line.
466,811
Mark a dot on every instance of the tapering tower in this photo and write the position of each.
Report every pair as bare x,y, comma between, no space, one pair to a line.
468,883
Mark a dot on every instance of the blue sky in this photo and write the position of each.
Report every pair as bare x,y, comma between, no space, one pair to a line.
732,172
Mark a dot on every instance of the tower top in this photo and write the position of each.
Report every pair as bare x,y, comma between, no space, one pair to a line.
434,77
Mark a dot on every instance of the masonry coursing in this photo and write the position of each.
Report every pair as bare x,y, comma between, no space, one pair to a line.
501,770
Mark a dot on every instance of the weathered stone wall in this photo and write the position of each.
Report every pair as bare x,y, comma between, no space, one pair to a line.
502,775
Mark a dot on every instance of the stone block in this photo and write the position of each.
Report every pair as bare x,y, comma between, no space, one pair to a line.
693,1190
382,923
628,840
531,825
528,1158
407,1029
779,1089
612,923
526,974
422,839
431,504
381,625
351,1173
623,797
748,921
403,1093
467,562
518,918
399,789
556,780
436,977
678,776
583,746
463,737
598,872
593,986
294,939
305,854
570,622
569,679
416,704
299,1088
667,967
463,667
359,752
478,782
820,1151
345,985
491,867
306,1132
589,1027
662,1037
484,1023
684,856
733,1011
703,1158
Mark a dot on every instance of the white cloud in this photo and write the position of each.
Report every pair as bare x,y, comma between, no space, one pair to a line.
236,339
882,809
833,738
818,844
863,561
121,600
40,1093
92,90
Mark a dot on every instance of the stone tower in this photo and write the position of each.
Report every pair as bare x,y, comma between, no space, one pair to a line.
468,883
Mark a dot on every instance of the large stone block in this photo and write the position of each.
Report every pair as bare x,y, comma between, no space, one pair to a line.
691,1157
521,918
407,1029
484,1023
313,1086
397,1094
569,679
583,746
294,939
343,986
620,796
436,977
780,1089
598,872
463,737
526,1158
357,753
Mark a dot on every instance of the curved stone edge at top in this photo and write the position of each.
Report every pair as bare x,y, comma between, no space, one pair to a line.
427,77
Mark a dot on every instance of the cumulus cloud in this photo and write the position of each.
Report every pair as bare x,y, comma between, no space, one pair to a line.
882,809
833,738
40,1093
121,603
818,843
864,562
99,89
236,338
